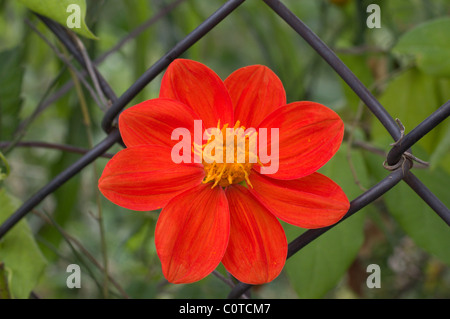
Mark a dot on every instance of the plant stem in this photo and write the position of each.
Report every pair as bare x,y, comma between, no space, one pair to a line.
4,289
55,146
87,123
71,240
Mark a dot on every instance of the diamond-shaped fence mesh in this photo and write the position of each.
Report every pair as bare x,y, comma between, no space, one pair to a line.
399,160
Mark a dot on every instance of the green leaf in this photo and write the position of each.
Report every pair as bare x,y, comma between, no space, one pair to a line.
411,97
441,155
359,64
429,45
415,217
4,287
418,220
63,12
319,266
11,71
19,252
4,166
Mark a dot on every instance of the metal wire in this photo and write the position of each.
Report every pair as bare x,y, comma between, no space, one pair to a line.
355,205
59,180
371,102
417,133
332,59
162,63
65,38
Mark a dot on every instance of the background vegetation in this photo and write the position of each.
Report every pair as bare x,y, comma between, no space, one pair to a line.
405,64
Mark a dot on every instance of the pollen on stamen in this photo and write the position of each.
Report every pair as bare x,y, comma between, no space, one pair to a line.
218,170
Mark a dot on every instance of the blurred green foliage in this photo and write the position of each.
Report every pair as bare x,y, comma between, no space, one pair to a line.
396,62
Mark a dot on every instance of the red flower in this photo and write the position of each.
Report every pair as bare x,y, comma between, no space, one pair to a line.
216,212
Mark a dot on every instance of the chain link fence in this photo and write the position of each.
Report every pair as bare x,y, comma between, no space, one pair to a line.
399,160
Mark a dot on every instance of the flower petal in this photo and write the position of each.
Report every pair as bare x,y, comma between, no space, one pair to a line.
255,91
257,248
309,135
313,201
153,121
197,86
192,234
145,177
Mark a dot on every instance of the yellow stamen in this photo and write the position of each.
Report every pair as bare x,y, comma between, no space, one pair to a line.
220,172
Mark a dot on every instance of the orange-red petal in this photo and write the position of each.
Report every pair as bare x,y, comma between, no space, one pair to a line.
192,234
145,177
257,248
256,91
200,88
153,121
313,201
309,135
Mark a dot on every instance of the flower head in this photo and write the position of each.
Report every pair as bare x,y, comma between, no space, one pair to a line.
220,200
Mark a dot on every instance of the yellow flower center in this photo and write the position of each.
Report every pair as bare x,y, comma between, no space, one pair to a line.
228,155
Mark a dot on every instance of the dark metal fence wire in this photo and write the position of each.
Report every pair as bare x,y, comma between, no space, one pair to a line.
399,158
